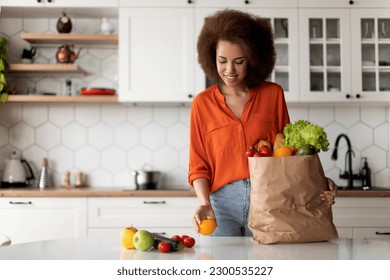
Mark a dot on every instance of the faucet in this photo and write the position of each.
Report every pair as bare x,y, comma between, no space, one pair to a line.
348,174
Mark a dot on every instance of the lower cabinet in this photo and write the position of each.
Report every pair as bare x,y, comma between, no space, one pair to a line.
27,219
362,217
164,215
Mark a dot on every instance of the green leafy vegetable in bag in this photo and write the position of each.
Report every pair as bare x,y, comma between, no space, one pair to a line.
302,133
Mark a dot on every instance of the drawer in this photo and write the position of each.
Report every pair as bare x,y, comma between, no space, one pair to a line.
141,212
359,233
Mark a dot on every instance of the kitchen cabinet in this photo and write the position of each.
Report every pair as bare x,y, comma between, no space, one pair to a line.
165,215
59,3
157,54
285,25
362,217
345,50
27,219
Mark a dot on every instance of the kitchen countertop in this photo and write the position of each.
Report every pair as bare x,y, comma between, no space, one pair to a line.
123,192
206,248
92,192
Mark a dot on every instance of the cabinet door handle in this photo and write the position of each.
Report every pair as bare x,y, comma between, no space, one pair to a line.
351,2
358,95
155,202
382,233
20,202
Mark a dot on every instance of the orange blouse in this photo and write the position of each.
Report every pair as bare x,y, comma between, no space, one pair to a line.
219,140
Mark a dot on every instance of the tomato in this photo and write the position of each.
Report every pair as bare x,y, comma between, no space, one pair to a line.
265,151
251,151
176,237
183,237
189,242
164,247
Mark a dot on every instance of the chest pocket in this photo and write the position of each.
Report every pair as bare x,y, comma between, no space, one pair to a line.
264,124
219,135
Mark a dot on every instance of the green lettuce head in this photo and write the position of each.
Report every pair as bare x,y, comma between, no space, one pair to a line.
303,132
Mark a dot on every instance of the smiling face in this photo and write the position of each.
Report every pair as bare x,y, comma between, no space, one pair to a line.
231,64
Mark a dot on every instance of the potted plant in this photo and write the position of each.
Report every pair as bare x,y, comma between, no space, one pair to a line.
3,69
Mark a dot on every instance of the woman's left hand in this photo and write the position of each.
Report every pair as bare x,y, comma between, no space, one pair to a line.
329,195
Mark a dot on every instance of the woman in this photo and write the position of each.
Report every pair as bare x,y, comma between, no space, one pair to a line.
236,51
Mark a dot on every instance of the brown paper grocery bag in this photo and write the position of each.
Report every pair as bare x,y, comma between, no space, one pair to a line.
285,203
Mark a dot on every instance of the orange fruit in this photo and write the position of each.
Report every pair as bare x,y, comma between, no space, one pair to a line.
283,151
207,226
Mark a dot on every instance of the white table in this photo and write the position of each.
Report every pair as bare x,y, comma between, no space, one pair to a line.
214,248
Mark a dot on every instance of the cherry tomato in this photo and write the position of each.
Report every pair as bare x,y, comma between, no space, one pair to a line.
164,247
176,237
265,151
183,237
251,151
189,242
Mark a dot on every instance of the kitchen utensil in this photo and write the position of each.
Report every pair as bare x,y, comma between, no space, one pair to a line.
146,179
43,182
106,26
66,54
97,91
64,24
14,174
27,55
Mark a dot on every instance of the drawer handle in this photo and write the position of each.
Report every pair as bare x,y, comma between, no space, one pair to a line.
155,202
20,202
382,233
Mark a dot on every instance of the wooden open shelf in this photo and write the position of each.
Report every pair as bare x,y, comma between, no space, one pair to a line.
70,70
98,40
62,99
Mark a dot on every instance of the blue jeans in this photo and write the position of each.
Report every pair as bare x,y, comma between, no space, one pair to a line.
231,208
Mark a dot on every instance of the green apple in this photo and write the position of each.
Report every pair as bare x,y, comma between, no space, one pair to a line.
143,240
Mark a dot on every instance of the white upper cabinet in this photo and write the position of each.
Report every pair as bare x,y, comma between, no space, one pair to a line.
59,3
156,50
345,54
325,55
371,54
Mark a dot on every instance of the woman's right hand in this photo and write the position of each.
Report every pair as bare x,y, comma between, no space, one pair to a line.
201,213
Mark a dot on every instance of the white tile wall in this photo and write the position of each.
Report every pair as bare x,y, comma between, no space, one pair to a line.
107,142
113,140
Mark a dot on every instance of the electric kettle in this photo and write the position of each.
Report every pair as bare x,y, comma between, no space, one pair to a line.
14,174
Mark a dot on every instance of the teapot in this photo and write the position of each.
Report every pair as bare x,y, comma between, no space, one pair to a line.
65,54
27,55
14,174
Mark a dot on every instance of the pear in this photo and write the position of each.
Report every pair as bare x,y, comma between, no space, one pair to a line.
127,236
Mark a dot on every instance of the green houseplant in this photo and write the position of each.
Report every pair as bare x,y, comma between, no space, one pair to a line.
3,68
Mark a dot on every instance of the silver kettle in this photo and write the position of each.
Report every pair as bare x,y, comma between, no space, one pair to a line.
14,173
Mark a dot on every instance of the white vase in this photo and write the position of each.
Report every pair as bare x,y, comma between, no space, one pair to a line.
106,27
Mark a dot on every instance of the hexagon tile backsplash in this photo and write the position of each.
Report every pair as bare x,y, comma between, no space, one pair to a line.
106,142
